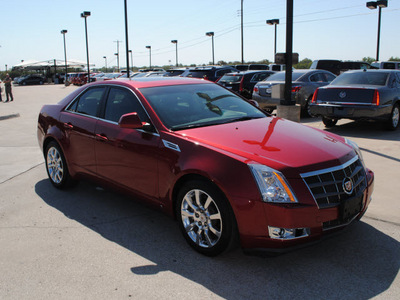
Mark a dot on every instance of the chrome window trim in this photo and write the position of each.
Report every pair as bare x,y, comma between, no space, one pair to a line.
108,121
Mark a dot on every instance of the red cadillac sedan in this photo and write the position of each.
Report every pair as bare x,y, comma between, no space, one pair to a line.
202,154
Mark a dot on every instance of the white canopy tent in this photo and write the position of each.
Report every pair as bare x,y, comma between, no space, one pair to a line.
57,63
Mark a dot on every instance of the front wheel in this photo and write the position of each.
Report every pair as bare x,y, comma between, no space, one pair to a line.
205,218
56,166
393,121
329,122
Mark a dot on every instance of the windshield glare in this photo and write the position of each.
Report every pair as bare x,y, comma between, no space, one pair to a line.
363,78
188,106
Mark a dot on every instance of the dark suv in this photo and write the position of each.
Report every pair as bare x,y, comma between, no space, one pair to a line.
211,73
32,79
243,82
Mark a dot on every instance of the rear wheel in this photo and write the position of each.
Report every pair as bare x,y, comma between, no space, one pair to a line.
205,218
329,122
393,121
306,110
56,166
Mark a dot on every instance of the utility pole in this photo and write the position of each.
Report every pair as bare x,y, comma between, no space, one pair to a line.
117,41
241,17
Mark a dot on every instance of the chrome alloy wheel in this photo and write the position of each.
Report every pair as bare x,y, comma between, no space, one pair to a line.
55,165
395,117
201,218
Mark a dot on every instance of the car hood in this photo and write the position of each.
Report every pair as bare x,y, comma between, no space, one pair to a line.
281,144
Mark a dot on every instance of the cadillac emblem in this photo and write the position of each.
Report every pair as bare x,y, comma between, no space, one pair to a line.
347,185
342,94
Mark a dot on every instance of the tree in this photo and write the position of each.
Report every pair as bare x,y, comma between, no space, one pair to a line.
304,64
394,58
368,59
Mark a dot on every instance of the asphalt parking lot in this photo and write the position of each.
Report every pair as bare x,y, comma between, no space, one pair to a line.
89,243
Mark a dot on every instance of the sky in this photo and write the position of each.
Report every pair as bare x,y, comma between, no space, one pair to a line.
322,29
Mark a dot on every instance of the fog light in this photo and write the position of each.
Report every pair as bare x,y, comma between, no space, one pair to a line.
287,233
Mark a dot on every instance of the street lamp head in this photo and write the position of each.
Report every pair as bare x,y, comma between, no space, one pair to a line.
64,31
116,54
104,56
372,5
174,41
382,3
85,14
148,47
273,22
211,33
130,51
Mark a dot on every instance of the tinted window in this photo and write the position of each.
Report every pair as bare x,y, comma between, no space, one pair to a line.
317,77
389,66
259,76
188,106
367,78
121,101
231,78
329,77
89,102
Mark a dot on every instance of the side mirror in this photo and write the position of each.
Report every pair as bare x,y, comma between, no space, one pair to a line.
131,121
253,102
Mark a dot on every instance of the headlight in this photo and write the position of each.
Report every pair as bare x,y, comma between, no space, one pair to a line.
356,149
272,185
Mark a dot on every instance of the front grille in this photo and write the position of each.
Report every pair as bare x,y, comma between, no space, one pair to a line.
326,185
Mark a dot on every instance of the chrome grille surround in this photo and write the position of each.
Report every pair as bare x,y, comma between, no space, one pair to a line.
326,185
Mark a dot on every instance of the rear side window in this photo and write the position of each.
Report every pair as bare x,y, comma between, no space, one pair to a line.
259,76
89,102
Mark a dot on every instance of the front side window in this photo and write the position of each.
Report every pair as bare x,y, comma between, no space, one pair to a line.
122,101
89,102
317,77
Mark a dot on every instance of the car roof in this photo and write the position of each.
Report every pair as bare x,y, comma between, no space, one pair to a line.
250,72
372,70
145,82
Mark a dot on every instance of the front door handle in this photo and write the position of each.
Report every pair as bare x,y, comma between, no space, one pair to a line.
101,137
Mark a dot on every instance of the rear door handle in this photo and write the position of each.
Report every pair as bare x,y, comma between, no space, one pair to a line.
68,125
101,137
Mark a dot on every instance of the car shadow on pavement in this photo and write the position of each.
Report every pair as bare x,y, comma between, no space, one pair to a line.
359,263
365,129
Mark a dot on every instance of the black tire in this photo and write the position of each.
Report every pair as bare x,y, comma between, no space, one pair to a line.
329,122
56,166
306,109
393,122
205,218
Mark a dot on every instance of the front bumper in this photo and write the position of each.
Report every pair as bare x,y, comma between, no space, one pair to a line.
313,223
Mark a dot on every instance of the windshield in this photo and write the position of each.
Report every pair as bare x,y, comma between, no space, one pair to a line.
281,76
363,78
197,105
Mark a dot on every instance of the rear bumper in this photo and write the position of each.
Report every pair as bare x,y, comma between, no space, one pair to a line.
266,102
351,111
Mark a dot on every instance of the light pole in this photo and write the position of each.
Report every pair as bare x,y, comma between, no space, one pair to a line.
126,40
105,58
149,47
241,27
64,31
176,47
274,22
211,33
374,5
130,51
84,15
